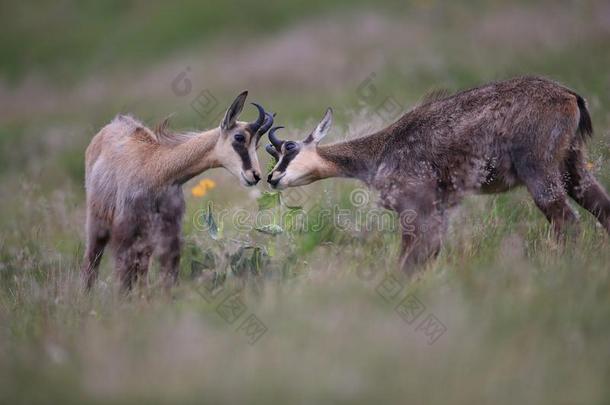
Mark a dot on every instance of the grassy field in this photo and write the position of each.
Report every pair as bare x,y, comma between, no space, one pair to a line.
314,314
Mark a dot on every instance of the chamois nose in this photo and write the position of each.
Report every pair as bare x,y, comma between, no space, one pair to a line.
271,181
251,177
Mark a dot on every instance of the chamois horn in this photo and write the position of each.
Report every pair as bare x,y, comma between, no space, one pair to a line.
275,141
266,125
254,126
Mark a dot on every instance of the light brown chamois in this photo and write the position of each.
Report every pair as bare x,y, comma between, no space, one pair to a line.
133,179
525,131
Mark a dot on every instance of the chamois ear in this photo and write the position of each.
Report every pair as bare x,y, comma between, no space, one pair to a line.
322,128
233,112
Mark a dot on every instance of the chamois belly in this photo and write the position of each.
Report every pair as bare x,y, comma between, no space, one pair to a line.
499,178
495,185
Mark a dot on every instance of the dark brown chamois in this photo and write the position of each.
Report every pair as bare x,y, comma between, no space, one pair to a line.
525,131
134,177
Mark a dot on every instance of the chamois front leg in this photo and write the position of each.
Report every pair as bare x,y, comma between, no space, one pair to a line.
132,261
169,258
133,250
168,240
422,234
422,222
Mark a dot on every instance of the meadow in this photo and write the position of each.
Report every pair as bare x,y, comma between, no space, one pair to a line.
293,297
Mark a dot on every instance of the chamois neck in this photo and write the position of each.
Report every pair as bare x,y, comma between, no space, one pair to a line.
356,158
186,160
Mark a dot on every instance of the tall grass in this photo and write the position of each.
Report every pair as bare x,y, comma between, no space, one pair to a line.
525,320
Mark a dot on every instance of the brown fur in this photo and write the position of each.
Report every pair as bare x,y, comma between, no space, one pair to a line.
525,131
133,179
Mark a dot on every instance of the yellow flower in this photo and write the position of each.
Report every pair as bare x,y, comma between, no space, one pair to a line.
590,165
202,187
198,191
207,183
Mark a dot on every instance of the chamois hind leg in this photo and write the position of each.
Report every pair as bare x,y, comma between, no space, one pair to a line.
545,185
584,188
98,235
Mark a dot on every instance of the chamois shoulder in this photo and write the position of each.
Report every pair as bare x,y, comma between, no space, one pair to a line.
126,125
434,94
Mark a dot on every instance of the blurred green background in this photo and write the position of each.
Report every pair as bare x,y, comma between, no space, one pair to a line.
526,321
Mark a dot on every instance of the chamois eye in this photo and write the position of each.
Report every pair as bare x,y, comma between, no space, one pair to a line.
290,145
239,138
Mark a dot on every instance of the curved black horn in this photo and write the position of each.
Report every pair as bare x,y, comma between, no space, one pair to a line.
275,141
266,125
272,151
254,126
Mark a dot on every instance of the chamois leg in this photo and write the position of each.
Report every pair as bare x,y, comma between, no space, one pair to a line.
98,235
132,263
584,188
546,188
132,252
422,225
169,245
168,242
422,235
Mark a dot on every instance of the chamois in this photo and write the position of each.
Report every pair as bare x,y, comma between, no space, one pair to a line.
525,131
133,180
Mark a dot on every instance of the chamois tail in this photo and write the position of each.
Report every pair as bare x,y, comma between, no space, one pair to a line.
585,126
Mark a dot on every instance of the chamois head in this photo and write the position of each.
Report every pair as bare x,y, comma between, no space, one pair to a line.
298,162
237,143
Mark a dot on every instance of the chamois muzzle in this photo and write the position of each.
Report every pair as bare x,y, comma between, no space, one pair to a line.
272,181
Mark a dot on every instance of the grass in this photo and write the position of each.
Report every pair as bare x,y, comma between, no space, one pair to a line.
525,320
